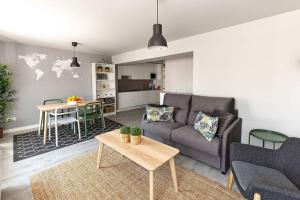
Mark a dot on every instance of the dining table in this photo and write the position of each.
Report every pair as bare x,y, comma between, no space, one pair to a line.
45,109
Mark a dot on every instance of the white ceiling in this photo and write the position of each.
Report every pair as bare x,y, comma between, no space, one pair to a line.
109,27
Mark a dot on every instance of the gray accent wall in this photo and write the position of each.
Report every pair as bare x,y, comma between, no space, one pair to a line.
32,92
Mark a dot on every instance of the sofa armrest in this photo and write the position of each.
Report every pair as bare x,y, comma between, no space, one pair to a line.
252,154
231,134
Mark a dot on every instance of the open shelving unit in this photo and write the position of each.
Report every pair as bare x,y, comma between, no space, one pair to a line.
104,86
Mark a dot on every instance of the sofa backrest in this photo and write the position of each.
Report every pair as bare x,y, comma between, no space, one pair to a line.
181,102
208,105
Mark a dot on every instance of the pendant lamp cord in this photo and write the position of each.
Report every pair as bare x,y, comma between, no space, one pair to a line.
156,11
74,51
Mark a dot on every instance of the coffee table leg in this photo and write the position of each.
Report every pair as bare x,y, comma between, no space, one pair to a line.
101,145
173,170
151,185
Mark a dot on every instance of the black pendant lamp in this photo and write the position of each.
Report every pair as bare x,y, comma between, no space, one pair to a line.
74,62
157,41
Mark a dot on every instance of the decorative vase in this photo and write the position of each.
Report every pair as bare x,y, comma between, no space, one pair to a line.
125,138
1,132
135,139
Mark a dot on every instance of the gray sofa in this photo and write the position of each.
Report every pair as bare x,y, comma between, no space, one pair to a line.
183,136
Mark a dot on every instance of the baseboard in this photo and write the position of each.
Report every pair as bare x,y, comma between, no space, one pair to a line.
23,128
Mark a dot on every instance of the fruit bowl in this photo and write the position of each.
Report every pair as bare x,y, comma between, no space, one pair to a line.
73,100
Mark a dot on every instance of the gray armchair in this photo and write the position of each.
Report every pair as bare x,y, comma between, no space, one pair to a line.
264,173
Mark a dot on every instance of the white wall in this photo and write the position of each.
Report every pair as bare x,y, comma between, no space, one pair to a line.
256,62
179,74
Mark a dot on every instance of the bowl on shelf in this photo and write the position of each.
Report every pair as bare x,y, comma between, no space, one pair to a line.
107,69
99,69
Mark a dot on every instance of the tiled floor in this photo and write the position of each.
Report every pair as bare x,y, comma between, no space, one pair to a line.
15,182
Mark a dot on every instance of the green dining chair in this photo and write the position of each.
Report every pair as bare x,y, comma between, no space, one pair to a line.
91,112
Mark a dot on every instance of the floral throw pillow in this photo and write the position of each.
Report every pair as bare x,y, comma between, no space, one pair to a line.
164,114
206,125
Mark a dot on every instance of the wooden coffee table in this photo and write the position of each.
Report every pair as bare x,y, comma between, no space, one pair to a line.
150,154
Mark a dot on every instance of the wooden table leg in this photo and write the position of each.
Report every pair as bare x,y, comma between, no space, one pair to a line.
151,185
40,122
45,127
173,171
101,145
257,196
230,180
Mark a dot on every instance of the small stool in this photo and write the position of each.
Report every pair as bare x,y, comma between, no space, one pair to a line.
267,135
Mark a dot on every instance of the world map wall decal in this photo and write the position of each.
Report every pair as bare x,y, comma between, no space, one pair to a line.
63,65
33,61
60,66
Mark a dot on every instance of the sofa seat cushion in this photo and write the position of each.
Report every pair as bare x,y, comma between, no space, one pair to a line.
189,137
163,129
248,174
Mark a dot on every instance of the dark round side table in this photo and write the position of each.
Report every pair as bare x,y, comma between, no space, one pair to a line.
267,135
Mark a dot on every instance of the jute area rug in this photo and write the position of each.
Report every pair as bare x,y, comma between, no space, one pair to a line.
120,178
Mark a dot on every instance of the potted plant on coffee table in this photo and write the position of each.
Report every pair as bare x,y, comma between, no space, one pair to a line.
125,134
135,135
6,95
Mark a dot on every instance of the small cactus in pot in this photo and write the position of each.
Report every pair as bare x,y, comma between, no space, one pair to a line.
135,135
125,134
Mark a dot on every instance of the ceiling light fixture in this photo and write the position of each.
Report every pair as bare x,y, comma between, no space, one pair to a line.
74,62
157,41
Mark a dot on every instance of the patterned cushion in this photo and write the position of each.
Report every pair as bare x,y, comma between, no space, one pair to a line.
163,114
206,125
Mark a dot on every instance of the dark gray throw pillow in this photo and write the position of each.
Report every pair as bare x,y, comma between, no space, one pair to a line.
225,119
